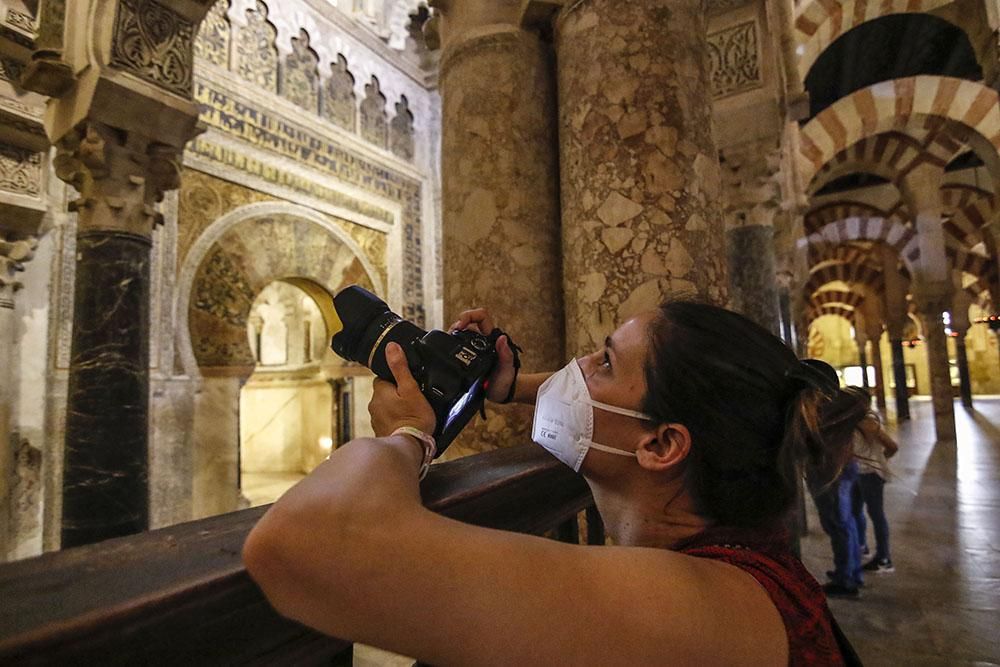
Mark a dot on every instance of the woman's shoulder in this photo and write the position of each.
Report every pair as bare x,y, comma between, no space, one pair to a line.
797,596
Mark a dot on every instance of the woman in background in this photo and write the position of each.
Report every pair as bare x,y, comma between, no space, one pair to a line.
872,449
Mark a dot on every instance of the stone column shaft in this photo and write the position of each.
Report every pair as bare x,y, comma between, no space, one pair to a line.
879,374
962,359
752,287
500,192
863,361
105,472
938,366
899,375
639,169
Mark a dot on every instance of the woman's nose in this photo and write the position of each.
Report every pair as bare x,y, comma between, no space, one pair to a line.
588,363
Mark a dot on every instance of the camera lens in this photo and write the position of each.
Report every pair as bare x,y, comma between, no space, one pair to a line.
369,326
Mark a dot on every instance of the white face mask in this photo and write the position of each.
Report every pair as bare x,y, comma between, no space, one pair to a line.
564,417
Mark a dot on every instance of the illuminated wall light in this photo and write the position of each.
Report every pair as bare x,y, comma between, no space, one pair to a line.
326,444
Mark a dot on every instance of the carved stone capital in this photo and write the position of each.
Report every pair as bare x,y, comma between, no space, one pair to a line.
13,255
751,176
120,177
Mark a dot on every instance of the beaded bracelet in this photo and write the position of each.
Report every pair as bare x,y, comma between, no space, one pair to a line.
426,441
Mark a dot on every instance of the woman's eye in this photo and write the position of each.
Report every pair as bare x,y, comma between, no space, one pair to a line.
607,360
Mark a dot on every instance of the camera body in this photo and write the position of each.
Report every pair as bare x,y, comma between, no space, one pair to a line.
450,368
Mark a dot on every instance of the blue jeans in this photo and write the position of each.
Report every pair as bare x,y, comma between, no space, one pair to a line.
836,515
870,486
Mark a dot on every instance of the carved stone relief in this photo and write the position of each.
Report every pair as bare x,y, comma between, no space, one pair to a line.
256,53
243,261
202,200
374,126
212,43
13,254
27,486
10,69
20,171
299,76
715,7
154,43
339,102
222,290
401,130
239,117
20,20
734,59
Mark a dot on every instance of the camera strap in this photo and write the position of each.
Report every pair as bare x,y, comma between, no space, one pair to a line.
516,350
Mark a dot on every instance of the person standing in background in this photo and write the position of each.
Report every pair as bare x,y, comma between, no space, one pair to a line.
872,449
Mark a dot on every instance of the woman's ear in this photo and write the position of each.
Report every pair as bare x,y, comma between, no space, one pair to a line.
665,447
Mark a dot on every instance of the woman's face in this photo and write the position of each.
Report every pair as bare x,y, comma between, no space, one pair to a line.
615,375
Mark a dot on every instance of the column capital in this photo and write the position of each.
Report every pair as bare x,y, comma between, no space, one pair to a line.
751,178
13,255
120,177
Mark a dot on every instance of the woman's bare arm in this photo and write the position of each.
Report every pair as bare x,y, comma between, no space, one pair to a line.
352,552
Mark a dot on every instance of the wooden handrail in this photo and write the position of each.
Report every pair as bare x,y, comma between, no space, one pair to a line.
180,595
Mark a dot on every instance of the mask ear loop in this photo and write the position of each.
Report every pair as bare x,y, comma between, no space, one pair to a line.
621,411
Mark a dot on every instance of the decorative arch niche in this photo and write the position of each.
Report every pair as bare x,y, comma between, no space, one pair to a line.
227,267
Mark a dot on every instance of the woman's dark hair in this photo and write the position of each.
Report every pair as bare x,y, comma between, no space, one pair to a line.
756,414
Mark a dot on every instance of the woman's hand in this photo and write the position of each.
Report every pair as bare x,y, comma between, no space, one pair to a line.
480,321
401,404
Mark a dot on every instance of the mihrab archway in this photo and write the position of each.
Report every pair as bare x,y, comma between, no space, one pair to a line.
227,267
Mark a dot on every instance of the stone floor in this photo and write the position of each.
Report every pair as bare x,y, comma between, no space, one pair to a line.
942,605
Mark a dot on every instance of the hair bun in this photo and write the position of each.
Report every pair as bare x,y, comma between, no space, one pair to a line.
813,374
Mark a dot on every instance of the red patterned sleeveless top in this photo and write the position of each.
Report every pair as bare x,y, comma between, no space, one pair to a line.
795,593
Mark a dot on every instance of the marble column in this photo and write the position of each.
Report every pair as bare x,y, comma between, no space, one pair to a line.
750,177
13,253
879,374
105,471
899,376
895,316
863,362
930,307
752,289
639,170
959,318
932,285
499,162
962,360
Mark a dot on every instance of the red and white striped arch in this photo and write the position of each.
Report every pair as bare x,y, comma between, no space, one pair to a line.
818,23
914,103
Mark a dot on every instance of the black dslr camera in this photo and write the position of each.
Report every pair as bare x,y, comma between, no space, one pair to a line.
450,368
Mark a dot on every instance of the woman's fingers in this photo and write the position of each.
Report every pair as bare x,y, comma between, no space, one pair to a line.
477,319
503,376
396,360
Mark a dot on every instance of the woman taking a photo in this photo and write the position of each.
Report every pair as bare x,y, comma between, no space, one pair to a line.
690,425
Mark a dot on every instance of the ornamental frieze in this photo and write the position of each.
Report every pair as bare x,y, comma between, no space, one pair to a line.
256,54
10,69
300,75
212,43
20,20
238,118
734,60
20,171
268,172
154,43
338,101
